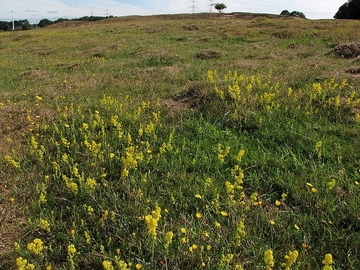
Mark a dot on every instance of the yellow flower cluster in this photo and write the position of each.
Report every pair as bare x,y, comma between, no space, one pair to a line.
71,250
107,265
240,231
290,259
327,262
269,259
225,260
36,247
12,161
90,184
152,221
70,184
45,225
222,152
235,189
168,239
104,218
23,264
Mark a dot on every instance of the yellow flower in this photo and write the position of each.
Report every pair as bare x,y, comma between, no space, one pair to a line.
331,184
184,240
277,203
290,258
72,186
313,190
138,266
198,215
122,265
198,196
85,126
272,222
318,144
152,221
23,264
20,262
328,260
183,230
168,239
71,250
45,225
223,213
269,259
297,227
17,246
240,230
12,161
36,246
107,265
90,184
240,155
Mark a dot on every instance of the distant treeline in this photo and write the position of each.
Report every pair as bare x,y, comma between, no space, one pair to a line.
25,24
18,25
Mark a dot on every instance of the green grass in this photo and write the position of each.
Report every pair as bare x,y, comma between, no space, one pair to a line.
180,142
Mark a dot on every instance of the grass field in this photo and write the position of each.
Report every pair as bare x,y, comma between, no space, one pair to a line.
180,142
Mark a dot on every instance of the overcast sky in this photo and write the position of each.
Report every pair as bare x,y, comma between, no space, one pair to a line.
35,10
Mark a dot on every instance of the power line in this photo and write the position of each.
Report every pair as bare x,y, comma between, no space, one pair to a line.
193,7
211,5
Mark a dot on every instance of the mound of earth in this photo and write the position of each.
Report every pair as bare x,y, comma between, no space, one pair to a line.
207,54
348,50
188,99
32,74
353,70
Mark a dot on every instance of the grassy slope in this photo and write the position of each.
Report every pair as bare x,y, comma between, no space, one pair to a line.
151,58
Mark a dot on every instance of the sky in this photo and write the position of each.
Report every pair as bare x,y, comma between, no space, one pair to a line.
35,10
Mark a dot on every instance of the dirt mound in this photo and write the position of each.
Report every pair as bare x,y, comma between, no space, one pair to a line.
188,99
207,54
348,50
32,74
191,27
353,70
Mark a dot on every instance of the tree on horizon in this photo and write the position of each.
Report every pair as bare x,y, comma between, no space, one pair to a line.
349,10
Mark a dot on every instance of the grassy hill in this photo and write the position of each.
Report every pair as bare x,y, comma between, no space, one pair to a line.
181,142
